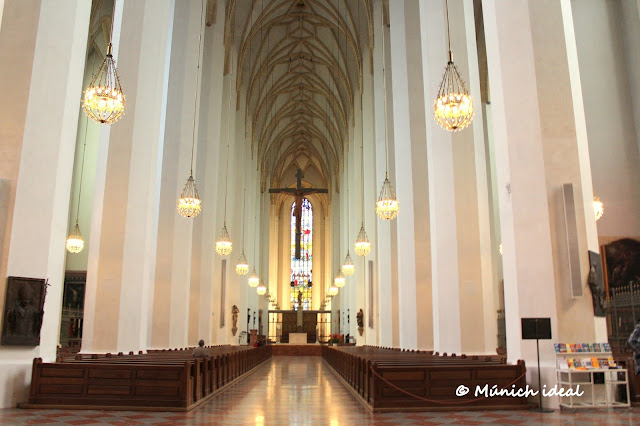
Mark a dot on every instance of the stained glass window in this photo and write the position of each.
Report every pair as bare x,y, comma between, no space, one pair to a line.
301,278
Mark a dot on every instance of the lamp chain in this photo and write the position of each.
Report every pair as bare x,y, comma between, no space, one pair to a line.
446,2
226,181
84,150
195,102
384,85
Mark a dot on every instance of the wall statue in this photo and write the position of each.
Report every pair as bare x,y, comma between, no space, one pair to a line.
360,320
234,318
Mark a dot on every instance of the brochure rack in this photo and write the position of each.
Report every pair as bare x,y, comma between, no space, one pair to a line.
591,369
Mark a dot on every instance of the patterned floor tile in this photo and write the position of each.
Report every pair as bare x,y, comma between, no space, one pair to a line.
303,391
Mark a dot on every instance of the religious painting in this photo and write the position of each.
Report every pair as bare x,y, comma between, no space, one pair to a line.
74,285
301,269
623,262
23,311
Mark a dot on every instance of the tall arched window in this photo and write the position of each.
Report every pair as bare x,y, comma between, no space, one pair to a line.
301,278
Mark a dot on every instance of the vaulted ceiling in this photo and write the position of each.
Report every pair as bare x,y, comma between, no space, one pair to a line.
299,72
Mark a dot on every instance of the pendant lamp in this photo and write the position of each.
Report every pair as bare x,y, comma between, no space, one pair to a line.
189,203
104,101
453,107
75,242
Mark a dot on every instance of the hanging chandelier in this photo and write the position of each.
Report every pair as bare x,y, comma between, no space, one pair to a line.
362,245
75,243
387,206
104,101
598,207
453,107
348,268
189,203
254,280
223,243
333,291
262,290
339,280
242,267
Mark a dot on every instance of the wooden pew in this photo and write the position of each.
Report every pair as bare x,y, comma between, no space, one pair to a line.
160,380
375,375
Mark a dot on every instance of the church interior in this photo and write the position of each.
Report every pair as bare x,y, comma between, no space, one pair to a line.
380,203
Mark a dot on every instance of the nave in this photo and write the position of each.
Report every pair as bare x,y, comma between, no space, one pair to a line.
303,390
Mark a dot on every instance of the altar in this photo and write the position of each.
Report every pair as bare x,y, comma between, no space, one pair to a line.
284,324
297,338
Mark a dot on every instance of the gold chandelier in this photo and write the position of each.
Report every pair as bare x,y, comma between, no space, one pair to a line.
254,280
362,245
189,203
75,243
104,101
453,107
387,206
339,280
348,268
262,290
598,207
223,243
333,291
242,267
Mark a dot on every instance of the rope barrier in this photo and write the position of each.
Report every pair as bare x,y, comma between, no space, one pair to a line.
465,401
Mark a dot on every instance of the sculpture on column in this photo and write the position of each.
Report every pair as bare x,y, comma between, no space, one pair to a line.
234,318
360,320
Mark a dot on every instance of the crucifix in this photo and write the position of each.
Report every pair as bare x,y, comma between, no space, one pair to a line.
299,192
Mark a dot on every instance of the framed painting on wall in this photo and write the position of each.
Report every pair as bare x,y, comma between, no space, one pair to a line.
23,311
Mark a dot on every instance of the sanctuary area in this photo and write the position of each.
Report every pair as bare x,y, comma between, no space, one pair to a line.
319,211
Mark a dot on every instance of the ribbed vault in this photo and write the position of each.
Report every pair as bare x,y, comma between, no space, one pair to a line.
299,68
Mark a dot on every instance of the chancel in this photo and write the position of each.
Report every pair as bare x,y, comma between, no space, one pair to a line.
402,183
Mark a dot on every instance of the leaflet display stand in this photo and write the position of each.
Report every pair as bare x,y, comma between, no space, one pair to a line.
576,368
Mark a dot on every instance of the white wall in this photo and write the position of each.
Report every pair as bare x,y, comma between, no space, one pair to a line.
609,114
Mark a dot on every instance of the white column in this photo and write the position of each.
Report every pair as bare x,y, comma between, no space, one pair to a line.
39,225
208,162
173,269
383,320
122,252
444,241
529,283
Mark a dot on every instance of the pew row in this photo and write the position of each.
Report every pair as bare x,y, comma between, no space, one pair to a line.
388,380
157,381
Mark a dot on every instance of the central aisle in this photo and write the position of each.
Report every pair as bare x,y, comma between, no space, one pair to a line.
287,390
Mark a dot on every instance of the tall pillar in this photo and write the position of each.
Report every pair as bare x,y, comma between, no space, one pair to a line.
384,318
413,230
444,241
41,207
122,251
209,148
173,268
529,282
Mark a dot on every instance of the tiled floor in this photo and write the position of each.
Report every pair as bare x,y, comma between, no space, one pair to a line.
302,390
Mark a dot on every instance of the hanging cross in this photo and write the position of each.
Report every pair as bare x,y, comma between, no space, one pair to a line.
299,192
